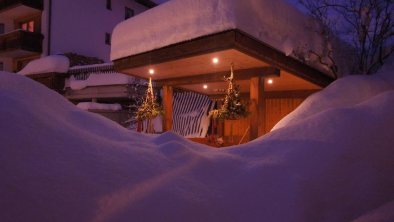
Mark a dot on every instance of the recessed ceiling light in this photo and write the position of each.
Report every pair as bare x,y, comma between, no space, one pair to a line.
151,71
205,86
215,60
270,81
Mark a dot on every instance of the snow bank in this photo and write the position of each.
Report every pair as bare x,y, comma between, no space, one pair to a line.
48,64
99,106
99,79
59,163
274,22
342,94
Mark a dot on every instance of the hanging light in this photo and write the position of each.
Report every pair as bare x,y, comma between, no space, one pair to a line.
215,60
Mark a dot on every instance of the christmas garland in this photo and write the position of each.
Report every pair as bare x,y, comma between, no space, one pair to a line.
232,108
149,109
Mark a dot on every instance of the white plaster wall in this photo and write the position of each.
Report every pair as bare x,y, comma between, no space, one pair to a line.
80,25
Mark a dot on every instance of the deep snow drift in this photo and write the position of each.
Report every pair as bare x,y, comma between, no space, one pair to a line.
335,163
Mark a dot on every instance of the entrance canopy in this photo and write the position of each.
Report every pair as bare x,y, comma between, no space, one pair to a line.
190,65
179,40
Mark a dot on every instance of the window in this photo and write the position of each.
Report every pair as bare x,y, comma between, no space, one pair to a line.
107,38
109,4
27,26
128,13
2,28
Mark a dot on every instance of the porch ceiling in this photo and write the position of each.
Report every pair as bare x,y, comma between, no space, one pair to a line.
286,82
193,60
198,65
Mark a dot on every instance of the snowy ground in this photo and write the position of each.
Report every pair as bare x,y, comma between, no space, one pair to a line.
330,160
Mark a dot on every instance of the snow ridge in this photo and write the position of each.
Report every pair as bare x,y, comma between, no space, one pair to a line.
60,163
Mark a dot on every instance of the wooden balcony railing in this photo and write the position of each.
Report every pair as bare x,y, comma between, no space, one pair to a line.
37,4
21,40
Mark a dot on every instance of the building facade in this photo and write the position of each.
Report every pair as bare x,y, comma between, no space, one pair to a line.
30,29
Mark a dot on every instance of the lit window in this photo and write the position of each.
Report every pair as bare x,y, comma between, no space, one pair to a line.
128,13
28,26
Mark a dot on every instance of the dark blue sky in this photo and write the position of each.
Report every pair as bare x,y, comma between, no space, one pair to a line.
294,2
161,1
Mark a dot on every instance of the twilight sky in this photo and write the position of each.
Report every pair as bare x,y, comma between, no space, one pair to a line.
162,1
294,2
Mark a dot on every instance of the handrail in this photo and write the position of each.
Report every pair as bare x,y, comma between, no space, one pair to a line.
38,4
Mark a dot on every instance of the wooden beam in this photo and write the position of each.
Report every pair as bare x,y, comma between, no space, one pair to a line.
242,74
254,47
232,39
199,46
256,107
290,94
168,93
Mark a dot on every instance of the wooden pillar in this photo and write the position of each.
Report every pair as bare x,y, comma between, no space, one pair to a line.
220,126
256,107
167,105
262,108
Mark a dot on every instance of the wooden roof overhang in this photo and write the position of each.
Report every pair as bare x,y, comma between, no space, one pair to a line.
184,64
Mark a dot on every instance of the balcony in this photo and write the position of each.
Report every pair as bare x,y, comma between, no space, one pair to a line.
20,8
20,43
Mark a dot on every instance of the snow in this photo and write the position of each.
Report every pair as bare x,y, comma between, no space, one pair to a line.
60,163
99,79
48,64
99,106
274,22
362,88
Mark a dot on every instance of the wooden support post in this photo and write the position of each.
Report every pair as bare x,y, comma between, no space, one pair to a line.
167,105
220,123
262,108
256,107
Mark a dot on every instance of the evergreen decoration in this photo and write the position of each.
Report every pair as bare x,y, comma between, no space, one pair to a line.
232,108
149,109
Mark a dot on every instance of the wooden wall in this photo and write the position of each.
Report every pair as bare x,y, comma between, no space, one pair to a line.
277,106
238,128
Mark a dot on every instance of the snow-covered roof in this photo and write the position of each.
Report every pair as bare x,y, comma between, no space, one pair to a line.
96,75
274,22
48,64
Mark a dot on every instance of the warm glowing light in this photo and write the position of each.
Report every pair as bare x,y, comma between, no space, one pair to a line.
270,81
151,71
205,86
215,60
